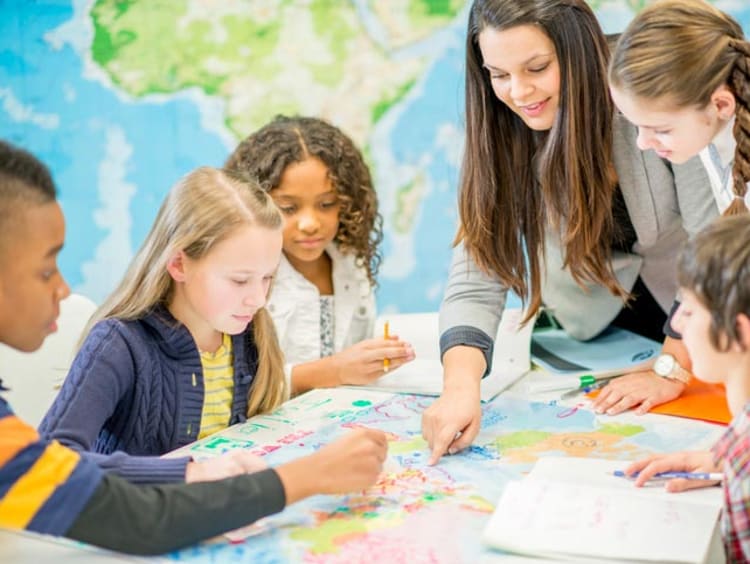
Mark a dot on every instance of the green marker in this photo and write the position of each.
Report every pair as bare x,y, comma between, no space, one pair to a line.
595,385
567,383
586,380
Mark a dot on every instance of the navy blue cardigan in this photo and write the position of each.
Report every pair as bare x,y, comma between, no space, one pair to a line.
135,392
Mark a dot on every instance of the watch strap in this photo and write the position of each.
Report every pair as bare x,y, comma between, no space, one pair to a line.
680,374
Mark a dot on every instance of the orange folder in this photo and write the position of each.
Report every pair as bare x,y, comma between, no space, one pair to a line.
700,400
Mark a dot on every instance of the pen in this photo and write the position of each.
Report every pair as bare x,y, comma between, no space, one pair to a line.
713,476
386,360
599,384
576,383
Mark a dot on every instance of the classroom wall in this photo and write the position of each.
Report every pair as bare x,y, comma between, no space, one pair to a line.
122,98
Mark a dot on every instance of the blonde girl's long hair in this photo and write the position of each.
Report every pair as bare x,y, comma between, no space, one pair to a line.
202,209
681,51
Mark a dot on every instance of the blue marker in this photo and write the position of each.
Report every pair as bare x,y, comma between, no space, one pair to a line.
713,476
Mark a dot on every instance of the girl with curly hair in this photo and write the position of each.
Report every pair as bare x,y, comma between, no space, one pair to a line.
322,301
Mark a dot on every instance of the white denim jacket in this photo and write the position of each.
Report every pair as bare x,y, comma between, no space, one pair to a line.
294,305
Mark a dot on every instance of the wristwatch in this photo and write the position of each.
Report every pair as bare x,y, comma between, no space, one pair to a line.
667,366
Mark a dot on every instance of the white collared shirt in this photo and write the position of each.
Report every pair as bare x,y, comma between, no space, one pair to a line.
294,305
718,159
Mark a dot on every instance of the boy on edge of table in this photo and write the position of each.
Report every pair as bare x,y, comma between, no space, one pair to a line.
714,320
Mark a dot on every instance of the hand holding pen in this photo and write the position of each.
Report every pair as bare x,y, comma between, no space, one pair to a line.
386,360
687,468
368,360
706,476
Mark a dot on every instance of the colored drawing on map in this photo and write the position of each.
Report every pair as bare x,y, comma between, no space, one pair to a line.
416,512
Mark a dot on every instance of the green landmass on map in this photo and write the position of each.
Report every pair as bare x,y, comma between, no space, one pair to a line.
262,59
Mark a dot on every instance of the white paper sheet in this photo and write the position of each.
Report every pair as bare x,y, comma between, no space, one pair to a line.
424,375
577,508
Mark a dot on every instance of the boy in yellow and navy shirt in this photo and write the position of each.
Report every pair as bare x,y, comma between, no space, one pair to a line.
43,487
48,488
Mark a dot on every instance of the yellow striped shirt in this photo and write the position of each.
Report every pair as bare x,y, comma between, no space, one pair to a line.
218,385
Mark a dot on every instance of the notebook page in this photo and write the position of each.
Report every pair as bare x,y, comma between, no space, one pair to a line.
544,518
600,472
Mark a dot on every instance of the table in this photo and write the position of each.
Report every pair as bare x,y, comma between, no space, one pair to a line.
415,513
21,547
418,513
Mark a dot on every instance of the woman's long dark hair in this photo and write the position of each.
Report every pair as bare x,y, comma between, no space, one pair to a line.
515,182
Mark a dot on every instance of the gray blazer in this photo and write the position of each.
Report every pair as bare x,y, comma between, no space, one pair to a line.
666,204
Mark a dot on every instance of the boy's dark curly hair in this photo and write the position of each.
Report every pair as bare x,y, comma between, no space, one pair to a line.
266,153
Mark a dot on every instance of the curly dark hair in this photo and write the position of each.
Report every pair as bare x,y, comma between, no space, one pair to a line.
267,153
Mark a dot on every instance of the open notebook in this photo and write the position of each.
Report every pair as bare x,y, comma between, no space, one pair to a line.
576,508
424,375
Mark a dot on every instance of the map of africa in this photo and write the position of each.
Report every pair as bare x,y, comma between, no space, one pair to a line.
121,98
417,513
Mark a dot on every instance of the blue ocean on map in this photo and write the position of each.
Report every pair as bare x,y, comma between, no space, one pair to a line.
114,156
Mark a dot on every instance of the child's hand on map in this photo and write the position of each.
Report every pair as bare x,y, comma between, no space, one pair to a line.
230,464
349,464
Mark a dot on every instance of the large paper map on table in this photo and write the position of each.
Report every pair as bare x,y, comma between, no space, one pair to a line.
417,513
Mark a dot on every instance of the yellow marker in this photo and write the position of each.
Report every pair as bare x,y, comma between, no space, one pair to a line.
386,360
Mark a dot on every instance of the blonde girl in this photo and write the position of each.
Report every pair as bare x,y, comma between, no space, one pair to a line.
323,301
183,347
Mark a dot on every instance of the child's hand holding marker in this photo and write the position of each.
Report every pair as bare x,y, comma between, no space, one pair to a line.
682,470
386,360
370,359
707,476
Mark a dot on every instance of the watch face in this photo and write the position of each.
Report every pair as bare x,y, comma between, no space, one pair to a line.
664,364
